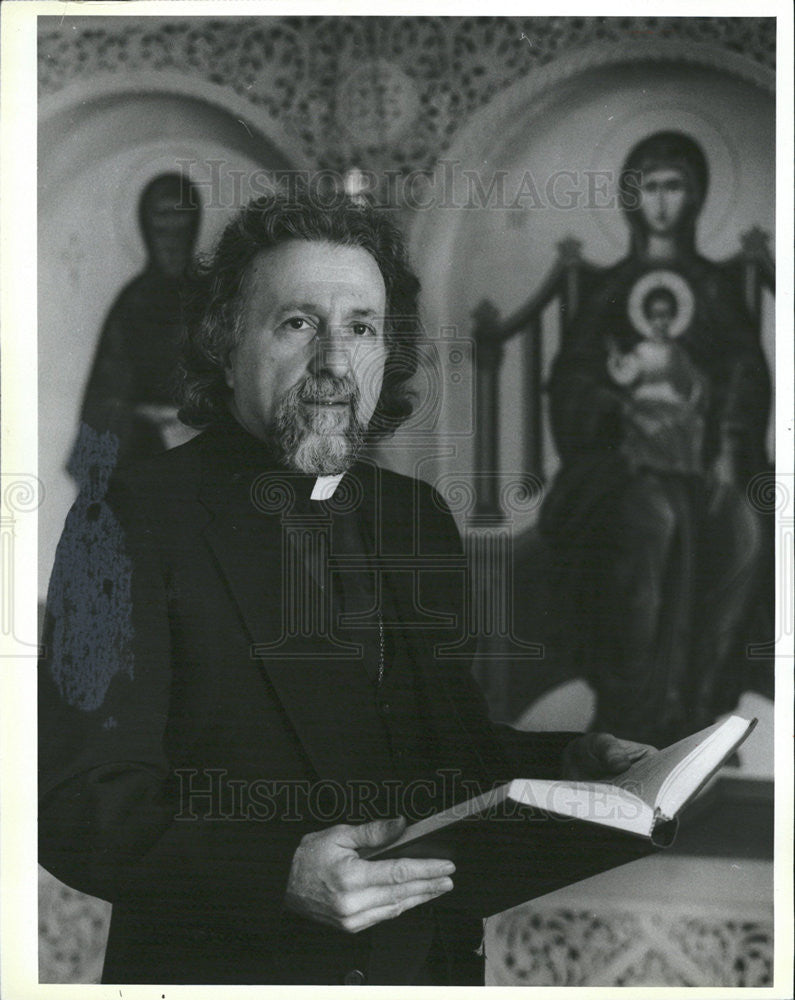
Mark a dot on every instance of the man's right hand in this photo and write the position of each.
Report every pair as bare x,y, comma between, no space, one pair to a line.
330,883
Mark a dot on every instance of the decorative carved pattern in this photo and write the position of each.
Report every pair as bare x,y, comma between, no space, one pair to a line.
73,929
537,947
561,948
743,948
378,102
391,90
534,948
652,968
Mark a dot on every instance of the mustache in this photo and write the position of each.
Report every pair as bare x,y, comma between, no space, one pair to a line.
325,388
303,437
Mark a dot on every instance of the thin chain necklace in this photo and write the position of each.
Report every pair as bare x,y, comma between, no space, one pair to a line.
381,661
381,648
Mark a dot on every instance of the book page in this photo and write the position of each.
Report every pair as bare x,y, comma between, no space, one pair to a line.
652,779
688,777
646,777
589,801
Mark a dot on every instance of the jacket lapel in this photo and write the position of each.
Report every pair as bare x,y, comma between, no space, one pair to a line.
402,526
259,526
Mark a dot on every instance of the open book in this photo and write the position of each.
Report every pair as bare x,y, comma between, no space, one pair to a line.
647,797
532,835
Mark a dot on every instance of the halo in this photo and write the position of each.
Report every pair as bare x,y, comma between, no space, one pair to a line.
653,113
677,286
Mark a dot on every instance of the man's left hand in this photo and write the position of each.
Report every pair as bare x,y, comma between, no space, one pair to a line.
597,756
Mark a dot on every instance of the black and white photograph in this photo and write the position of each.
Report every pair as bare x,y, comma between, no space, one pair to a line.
398,508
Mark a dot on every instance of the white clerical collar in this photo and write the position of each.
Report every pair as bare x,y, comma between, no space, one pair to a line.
324,487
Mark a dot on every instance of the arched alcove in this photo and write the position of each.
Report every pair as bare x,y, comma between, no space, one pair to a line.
100,142
540,163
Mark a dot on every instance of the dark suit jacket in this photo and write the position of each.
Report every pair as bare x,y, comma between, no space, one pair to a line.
179,705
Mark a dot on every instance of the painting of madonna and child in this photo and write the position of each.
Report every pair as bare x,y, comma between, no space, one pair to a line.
659,401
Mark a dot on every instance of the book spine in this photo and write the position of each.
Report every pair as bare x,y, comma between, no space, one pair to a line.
664,830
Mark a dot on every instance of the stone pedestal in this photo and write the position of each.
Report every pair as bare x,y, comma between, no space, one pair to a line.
700,914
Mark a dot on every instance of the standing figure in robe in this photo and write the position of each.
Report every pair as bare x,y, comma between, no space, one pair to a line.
659,401
129,393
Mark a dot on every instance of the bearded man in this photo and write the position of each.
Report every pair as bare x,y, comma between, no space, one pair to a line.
241,685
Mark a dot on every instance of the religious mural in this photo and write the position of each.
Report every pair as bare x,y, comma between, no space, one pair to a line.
659,401
129,391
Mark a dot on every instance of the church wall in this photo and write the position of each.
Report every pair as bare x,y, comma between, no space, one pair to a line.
96,155
549,165
237,98
124,101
